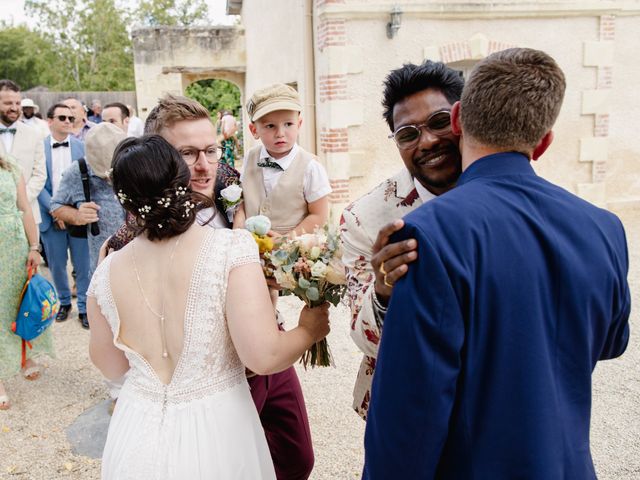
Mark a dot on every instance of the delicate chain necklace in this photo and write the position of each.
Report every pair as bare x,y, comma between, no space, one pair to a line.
163,333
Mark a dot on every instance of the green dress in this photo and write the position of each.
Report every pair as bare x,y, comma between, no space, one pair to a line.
14,249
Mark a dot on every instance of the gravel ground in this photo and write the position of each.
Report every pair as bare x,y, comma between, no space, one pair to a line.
33,443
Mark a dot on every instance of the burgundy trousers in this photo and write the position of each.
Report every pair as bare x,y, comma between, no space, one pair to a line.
283,415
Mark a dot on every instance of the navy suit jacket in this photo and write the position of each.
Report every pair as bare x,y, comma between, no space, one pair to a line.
44,198
485,363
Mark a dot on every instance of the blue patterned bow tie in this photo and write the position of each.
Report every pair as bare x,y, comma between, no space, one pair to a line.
10,130
267,163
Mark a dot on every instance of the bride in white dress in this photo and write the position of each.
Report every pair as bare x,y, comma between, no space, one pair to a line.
184,309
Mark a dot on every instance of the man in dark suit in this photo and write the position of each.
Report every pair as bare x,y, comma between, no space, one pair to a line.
60,149
520,287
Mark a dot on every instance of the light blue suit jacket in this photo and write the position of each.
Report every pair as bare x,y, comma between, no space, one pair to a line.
44,199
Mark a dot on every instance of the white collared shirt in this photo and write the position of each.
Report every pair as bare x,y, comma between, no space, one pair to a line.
7,138
424,194
60,160
316,181
205,214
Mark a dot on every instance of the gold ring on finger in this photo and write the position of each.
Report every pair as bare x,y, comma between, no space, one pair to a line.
386,282
382,270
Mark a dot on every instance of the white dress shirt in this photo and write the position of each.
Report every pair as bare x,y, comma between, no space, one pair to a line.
424,194
7,138
205,214
60,160
316,181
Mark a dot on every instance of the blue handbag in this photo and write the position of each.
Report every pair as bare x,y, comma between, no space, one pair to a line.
39,306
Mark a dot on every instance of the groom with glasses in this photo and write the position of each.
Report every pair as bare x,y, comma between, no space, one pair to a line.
417,102
60,149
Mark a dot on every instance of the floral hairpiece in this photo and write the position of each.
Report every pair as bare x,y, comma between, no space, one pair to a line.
188,206
181,190
122,197
165,202
144,209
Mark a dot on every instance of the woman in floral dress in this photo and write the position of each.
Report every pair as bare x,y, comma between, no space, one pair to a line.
18,252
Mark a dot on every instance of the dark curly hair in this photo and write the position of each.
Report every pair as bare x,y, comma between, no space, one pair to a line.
151,181
410,78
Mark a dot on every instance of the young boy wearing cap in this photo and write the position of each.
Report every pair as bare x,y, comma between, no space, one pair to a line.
287,184
280,179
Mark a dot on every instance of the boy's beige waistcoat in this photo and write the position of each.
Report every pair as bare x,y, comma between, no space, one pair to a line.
285,205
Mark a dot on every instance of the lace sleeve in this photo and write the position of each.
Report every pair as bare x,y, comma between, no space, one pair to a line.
242,250
97,280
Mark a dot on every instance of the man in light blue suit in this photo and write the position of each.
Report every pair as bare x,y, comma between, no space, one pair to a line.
60,150
520,287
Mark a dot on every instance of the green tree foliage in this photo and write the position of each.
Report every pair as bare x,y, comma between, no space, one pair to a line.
216,95
85,44
172,12
27,57
92,45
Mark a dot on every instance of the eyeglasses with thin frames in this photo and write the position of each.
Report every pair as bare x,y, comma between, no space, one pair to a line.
64,118
212,154
408,136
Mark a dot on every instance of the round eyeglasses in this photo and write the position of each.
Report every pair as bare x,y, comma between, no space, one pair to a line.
212,153
408,136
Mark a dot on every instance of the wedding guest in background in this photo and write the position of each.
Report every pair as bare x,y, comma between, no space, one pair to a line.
417,103
136,125
19,252
29,110
229,130
80,123
23,143
96,111
69,203
185,410
118,114
61,149
520,287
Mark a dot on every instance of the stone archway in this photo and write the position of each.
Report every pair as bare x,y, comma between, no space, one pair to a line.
168,59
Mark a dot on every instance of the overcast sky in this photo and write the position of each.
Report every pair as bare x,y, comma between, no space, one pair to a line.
13,11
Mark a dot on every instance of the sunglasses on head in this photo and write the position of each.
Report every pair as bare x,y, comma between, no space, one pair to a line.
64,118
438,123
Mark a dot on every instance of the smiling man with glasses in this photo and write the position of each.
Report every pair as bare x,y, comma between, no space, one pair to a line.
417,103
61,148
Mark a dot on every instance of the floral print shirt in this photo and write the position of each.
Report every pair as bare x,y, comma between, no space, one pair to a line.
359,226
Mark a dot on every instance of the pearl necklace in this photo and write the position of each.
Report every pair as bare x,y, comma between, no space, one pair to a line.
163,333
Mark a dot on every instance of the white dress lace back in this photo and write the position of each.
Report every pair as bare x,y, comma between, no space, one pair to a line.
203,424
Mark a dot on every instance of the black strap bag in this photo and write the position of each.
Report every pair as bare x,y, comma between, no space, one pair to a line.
80,231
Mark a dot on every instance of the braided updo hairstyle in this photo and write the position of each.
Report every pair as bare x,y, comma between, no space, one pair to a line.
151,180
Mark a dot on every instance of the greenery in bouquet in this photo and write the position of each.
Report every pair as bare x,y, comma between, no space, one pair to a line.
309,266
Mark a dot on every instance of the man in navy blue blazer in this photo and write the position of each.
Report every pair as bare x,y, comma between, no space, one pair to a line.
60,149
520,287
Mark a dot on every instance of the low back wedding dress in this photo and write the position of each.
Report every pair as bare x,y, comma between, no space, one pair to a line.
202,424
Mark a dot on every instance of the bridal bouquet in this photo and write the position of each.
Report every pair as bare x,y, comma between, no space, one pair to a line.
309,266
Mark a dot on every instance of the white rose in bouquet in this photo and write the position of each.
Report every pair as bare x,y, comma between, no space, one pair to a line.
318,269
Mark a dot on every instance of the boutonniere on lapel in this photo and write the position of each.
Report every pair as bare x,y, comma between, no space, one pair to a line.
231,197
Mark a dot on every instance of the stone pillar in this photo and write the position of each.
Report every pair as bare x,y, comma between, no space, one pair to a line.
594,149
336,63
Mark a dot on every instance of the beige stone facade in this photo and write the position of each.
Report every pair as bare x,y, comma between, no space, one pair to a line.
337,53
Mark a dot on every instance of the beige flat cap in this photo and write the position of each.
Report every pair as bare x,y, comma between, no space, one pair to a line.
272,98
